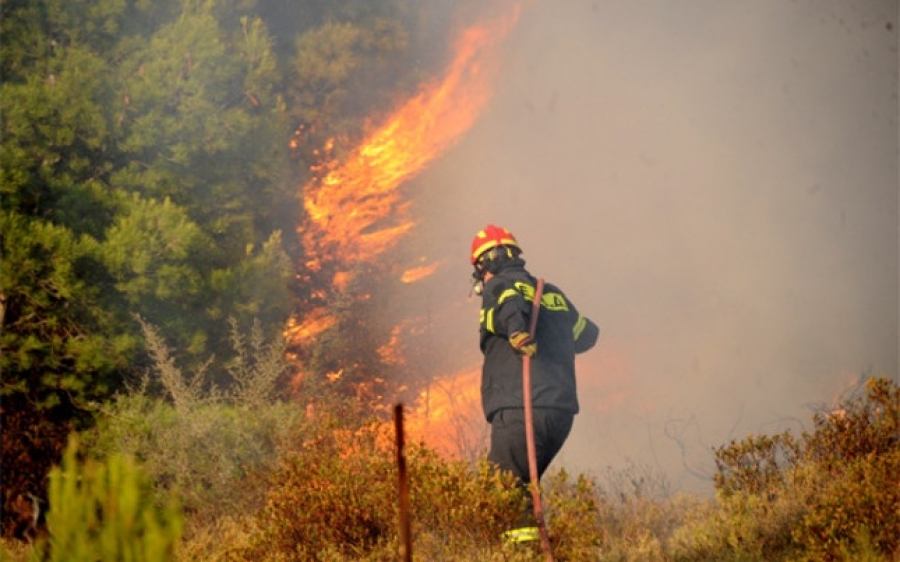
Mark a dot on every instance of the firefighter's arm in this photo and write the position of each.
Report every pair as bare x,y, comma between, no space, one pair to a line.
511,310
515,312
511,314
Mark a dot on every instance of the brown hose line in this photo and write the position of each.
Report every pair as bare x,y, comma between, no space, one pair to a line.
529,427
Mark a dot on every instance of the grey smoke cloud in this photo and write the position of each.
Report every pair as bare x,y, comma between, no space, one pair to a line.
716,184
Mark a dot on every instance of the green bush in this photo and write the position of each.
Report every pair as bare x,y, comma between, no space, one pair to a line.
105,511
209,454
740,527
205,442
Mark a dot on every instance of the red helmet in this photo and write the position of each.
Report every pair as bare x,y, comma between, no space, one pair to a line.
491,237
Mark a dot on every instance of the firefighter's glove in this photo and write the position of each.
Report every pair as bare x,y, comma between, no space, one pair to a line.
522,342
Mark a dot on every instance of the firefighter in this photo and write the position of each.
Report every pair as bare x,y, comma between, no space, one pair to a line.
507,290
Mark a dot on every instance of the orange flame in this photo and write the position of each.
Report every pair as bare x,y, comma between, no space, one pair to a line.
354,209
414,274
388,352
447,415
312,325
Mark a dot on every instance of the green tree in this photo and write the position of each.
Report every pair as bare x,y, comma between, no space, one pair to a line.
349,60
143,164
201,125
145,171
58,351
58,348
180,131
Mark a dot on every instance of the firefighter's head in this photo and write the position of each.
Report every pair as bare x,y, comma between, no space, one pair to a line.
492,247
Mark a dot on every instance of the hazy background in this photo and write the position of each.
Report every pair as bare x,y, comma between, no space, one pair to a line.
715,184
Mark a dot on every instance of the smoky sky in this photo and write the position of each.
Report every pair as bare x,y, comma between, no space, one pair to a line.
715,184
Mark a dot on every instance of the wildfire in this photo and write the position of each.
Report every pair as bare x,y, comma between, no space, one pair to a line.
356,212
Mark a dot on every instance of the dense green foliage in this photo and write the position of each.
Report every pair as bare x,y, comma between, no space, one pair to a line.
151,168
138,178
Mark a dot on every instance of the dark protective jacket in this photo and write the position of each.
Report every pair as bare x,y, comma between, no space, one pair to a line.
561,333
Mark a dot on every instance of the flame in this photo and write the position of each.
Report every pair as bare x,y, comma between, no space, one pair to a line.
312,325
414,274
447,415
389,352
354,209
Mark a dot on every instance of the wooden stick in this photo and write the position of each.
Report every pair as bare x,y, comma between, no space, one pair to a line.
403,484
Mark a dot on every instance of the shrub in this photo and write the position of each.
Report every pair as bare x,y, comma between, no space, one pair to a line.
619,515
866,425
105,511
829,496
464,503
856,449
335,490
740,527
757,465
860,508
573,514
205,442
334,496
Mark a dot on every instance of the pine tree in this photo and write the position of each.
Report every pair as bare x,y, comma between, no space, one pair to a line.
143,161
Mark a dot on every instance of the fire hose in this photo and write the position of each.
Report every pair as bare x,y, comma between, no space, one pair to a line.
529,427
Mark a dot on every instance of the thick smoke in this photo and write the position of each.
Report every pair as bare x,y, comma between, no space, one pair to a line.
716,184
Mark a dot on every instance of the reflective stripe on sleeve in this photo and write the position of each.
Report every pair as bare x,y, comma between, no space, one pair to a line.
487,318
507,294
579,327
